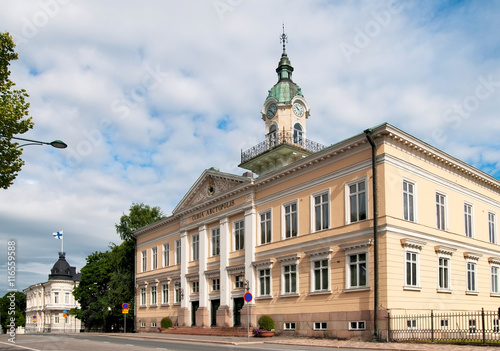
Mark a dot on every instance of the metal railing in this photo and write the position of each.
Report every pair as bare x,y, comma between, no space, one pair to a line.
275,139
454,327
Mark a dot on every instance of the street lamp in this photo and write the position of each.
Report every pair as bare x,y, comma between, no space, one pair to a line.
56,143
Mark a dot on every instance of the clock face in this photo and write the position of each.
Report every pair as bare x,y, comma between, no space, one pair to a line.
298,109
271,110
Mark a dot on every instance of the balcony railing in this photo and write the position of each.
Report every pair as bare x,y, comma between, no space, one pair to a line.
273,140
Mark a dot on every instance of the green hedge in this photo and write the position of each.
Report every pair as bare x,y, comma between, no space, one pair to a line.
166,323
266,322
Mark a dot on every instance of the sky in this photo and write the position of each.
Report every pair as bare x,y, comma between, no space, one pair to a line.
149,94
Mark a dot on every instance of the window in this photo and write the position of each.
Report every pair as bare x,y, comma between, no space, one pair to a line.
154,257
56,319
290,214
195,287
239,235
164,293
468,220
195,247
143,324
411,271
297,134
321,212
56,297
216,284
471,277
178,292
290,279
357,201
494,280
472,326
321,273
153,295
144,261
66,298
153,324
408,201
289,326
272,137
265,282
178,251
238,282
440,211
357,270
496,326
166,255
142,296
411,324
265,227
215,241
320,325
444,323
492,228
444,273
357,325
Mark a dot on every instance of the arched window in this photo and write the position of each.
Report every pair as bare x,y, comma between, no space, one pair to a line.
272,137
297,134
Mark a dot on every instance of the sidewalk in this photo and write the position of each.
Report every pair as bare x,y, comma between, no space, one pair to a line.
331,343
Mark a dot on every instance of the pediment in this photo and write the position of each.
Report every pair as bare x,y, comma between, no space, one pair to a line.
209,186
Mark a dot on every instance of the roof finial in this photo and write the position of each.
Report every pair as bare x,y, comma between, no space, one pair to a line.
283,38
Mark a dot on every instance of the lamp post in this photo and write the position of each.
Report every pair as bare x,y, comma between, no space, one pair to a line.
56,143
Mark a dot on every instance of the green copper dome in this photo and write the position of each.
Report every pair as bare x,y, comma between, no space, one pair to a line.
285,89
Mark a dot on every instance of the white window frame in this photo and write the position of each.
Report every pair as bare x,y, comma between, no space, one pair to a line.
492,227
153,295
293,214
239,281
143,324
441,210
56,297
411,324
288,261
239,230
215,284
446,270
409,198
164,294
166,255
178,251
320,326
318,256
66,298
154,258
142,296
153,324
469,220
195,247
267,224
348,185
195,287
356,248
289,325
144,261
495,279
471,287
357,325
321,205
215,244
416,262
177,293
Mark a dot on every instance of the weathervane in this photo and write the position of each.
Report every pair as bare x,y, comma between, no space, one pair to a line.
283,38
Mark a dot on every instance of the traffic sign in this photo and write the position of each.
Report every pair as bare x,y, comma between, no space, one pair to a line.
248,297
125,310
34,319
65,311
65,315
125,306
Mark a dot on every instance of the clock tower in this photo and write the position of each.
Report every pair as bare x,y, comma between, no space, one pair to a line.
284,112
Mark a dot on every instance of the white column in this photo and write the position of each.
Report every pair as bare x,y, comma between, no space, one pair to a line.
204,249
250,243
184,268
225,248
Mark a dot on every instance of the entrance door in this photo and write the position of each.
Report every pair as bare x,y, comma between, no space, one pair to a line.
194,308
214,304
238,304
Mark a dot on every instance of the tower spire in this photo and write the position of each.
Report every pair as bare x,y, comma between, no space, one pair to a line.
284,39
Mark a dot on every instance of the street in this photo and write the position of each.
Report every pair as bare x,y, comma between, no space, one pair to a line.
89,341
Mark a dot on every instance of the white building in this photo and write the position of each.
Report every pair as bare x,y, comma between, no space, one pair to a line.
48,304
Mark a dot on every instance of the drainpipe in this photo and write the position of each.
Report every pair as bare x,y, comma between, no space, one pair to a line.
368,133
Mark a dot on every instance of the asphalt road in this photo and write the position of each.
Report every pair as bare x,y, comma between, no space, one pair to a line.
97,342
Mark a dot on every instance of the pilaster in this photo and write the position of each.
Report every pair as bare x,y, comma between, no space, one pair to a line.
250,244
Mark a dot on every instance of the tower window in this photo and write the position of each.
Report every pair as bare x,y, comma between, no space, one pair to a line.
297,134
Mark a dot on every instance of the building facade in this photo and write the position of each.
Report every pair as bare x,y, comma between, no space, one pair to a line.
48,304
328,240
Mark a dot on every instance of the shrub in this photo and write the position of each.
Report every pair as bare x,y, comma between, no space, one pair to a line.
166,323
266,323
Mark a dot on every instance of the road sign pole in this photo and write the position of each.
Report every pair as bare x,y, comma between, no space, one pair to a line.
124,323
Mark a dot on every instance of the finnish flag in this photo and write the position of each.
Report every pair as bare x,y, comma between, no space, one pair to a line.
58,235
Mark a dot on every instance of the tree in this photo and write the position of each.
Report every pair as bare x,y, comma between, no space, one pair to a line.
13,115
140,215
108,277
13,305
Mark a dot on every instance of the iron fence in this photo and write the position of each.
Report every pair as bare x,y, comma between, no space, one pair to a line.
458,327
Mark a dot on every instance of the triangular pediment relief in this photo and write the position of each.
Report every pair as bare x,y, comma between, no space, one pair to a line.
210,185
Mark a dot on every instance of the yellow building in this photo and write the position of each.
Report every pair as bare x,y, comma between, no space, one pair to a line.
297,232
